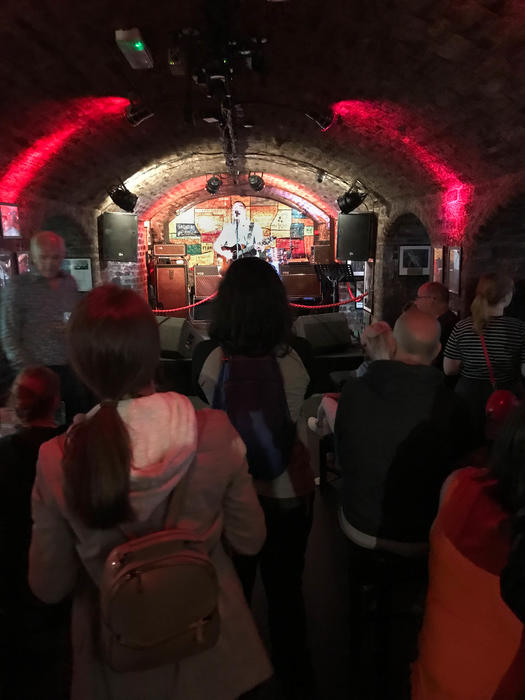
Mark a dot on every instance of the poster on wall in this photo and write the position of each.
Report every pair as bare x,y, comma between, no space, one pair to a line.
414,260
454,270
9,222
80,269
437,272
297,230
186,231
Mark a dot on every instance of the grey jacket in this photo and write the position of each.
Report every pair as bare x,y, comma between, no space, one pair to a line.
33,317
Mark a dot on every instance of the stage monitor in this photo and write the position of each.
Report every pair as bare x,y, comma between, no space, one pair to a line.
9,222
356,236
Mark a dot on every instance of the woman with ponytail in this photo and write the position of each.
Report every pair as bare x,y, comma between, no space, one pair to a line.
486,332
471,645
111,479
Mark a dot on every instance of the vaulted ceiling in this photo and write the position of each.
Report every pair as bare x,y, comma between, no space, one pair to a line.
424,95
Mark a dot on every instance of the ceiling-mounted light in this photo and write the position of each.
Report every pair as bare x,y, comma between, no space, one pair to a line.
132,45
122,197
320,176
256,182
352,198
213,184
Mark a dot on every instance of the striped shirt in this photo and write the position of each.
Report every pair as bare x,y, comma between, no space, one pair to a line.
505,340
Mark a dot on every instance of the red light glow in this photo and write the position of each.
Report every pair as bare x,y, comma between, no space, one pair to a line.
390,124
76,115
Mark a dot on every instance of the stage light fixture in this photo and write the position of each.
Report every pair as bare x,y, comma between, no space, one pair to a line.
213,184
351,199
135,51
320,176
256,182
122,197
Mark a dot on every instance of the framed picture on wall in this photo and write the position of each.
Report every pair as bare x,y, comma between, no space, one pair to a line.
454,270
80,269
414,260
437,273
9,222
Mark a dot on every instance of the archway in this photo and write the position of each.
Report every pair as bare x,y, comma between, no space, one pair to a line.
400,273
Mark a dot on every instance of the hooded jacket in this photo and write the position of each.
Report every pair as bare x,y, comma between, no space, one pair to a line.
167,439
399,432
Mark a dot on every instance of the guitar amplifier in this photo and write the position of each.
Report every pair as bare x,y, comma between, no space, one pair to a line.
171,283
169,249
206,280
301,285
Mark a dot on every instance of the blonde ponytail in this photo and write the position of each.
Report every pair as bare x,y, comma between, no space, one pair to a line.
490,291
480,313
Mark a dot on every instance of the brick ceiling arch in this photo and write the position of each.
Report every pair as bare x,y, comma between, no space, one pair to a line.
453,72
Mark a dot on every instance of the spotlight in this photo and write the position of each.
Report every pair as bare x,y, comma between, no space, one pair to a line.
122,197
320,176
351,199
213,185
256,182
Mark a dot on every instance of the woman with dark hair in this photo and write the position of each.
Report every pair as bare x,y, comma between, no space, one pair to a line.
34,643
113,478
486,333
471,645
252,329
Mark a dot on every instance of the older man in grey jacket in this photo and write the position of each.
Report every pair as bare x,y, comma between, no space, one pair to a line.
34,310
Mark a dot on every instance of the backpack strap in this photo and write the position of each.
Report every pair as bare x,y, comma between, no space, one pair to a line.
489,364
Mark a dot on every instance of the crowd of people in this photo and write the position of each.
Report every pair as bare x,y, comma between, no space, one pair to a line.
432,503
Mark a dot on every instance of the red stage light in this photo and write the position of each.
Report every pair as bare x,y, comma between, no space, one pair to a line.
77,115
390,125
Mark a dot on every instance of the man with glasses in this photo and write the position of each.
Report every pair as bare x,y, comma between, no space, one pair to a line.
433,298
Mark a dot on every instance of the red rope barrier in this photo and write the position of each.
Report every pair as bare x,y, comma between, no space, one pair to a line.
183,308
296,306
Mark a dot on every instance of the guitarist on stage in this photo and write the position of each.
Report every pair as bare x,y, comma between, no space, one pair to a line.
240,237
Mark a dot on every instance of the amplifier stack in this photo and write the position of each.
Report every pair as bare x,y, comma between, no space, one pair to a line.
171,277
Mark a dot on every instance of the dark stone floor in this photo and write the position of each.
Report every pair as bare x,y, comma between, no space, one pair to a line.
325,589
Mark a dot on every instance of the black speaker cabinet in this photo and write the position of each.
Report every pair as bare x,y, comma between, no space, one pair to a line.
118,236
356,236
171,283
193,333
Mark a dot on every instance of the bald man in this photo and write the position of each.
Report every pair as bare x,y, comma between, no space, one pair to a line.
433,299
398,435
34,310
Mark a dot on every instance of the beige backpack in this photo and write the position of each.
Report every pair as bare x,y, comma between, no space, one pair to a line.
158,597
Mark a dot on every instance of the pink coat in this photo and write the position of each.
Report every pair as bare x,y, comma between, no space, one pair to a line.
66,557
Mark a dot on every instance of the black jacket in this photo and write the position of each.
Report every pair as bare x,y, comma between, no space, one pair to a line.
399,432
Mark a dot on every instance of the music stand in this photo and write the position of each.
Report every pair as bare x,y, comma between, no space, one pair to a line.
335,273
